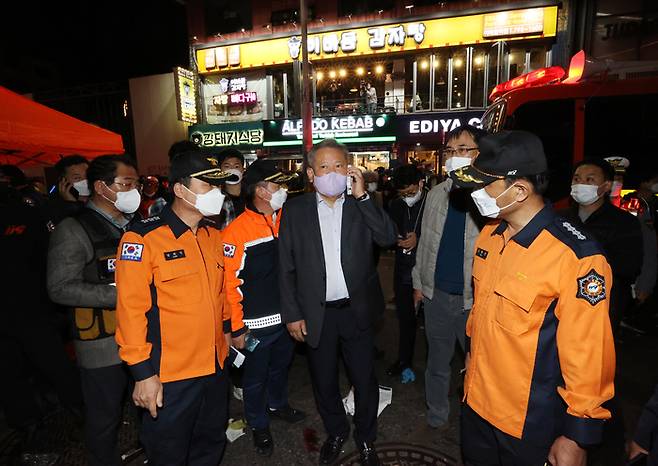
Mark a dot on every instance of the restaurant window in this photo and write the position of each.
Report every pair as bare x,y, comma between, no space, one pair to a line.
440,65
516,62
478,76
278,94
458,82
422,97
495,72
408,83
537,58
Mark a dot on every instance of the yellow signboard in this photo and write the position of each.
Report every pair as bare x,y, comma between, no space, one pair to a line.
376,40
513,23
185,95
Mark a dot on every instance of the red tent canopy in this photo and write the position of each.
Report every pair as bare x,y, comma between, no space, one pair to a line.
33,134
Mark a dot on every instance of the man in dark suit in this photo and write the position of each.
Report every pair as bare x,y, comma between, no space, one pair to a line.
330,291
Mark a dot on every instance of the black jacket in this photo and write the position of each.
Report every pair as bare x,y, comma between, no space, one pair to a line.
620,235
407,220
301,260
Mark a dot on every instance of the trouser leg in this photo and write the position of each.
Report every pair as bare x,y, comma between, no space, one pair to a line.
209,433
18,400
254,385
323,362
103,389
356,346
280,358
440,314
404,303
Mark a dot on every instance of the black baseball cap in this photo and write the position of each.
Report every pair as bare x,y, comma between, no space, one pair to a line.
230,153
194,164
503,154
266,170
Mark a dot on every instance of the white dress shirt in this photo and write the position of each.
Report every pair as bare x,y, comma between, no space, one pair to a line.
331,220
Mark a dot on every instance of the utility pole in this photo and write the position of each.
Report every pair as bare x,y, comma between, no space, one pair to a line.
306,107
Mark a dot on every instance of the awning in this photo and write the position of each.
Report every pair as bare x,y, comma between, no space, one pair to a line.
33,134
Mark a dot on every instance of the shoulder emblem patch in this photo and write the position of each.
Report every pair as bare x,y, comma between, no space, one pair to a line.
132,252
573,231
591,288
229,250
481,253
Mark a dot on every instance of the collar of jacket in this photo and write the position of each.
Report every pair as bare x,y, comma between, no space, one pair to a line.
178,227
255,214
531,231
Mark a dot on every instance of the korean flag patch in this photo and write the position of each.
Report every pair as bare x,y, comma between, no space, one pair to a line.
229,250
132,252
591,288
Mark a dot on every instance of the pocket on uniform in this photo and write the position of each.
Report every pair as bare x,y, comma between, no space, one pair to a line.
513,310
181,284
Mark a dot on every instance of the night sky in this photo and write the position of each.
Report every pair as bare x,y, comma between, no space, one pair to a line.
61,44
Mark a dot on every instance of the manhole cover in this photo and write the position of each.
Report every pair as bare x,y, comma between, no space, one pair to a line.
403,454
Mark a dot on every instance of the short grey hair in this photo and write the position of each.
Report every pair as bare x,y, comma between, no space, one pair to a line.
327,144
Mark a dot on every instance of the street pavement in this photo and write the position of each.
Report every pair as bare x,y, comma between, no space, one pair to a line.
402,422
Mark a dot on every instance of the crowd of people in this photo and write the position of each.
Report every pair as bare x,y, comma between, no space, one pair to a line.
175,289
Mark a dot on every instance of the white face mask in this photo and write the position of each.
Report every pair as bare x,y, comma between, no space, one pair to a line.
455,163
585,194
82,187
278,198
411,201
207,204
234,171
616,189
372,187
127,201
487,205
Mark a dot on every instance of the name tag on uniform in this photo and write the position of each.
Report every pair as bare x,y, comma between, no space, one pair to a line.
172,255
481,253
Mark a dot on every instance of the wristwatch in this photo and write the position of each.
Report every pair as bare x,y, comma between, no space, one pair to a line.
365,197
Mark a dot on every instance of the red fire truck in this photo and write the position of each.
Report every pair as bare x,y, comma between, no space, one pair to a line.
595,109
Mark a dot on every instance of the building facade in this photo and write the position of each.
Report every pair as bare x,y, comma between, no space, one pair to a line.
388,83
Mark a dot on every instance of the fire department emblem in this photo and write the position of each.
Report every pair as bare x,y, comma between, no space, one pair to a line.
591,288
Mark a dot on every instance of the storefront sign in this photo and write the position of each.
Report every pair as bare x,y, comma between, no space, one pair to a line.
429,127
513,23
346,129
184,84
246,135
348,41
397,37
240,98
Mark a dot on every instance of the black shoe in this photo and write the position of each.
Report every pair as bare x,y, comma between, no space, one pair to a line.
288,414
368,455
263,441
396,369
331,450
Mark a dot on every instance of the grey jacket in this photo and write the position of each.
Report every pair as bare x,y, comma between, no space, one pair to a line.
434,218
69,250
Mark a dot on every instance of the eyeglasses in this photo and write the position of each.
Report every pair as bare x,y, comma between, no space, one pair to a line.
449,151
128,185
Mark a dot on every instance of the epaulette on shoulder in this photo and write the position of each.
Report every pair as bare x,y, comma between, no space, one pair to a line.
579,241
147,225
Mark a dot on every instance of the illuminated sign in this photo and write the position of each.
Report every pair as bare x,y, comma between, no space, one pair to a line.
246,134
347,41
429,127
513,23
184,84
397,37
243,98
345,129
